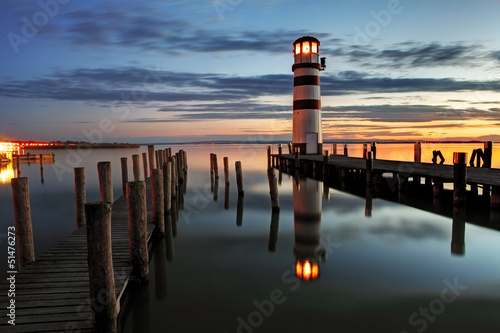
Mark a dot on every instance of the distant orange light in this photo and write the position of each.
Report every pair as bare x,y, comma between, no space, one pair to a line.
297,48
314,47
306,47
298,269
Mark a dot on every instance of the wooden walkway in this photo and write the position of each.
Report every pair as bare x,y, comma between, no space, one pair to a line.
485,176
52,293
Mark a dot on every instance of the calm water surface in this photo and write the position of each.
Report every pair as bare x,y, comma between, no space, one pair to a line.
391,272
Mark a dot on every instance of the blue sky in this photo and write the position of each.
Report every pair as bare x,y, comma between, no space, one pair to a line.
206,70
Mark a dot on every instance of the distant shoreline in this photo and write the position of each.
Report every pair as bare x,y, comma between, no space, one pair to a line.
86,146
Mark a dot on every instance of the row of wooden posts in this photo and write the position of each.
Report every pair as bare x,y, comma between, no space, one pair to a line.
167,173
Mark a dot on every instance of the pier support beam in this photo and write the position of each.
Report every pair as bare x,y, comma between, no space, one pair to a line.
158,201
22,215
100,261
136,168
105,181
459,178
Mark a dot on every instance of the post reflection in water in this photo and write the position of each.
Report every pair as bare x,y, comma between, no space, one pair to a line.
458,231
226,196
239,211
273,234
6,172
307,222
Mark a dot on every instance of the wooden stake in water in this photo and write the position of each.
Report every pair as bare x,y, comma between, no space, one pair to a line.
167,188
100,261
137,229
158,200
145,165
124,168
151,156
22,216
459,178
80,196
226,170
239,178
105,181
273,190
136,167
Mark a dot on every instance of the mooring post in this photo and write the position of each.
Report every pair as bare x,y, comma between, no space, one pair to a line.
18,162
365,149
124,168
137,228
334,148
369,169
488,154
216,167
41,169
273,190
167,188
151,155
145,165
459,178
105,181
211,164
417,152
100,262
174,177
80,196
226,170
239,178
185,160
268,157
373,148
280,153
326,159
158,201
290,148
22,215
346,153
136,167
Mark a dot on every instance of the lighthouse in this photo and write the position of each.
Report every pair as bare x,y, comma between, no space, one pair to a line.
307,136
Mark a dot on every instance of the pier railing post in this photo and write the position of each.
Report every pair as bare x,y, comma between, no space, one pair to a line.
226,170
145,165
137,230
158,200
136,167
105,181
239,178
22,215
80,196
100,261
124,168
459,178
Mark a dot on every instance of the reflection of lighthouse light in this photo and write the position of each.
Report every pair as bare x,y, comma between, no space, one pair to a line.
3,176
307,270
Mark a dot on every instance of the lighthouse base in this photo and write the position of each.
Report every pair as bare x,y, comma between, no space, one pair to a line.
308,149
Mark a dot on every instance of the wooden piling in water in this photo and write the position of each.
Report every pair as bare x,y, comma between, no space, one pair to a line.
105,181
239,178
41,169
459,178
226,196
216,167
145,165
239,211
136,168
369,169
269,157
488,154
100,261
124,169
18,166
174,177
158,201
346,153
167,188
273,190
373,149
290,148
326,159
80,196
137,229
226,170
151,155
273,232
365,150
417,152
22,216
334,148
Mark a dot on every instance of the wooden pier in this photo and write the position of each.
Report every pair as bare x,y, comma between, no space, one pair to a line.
52,293
34,157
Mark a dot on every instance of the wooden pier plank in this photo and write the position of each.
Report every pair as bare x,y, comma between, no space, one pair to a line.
53,291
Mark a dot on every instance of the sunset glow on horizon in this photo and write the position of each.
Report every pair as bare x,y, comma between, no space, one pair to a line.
221,70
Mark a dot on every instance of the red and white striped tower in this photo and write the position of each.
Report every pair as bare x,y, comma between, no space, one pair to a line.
307,136
307,226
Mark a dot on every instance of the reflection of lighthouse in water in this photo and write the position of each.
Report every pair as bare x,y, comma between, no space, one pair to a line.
307,225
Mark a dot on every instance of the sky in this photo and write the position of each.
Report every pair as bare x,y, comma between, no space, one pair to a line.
205,70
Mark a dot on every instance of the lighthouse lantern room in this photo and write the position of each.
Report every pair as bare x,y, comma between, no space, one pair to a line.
307,136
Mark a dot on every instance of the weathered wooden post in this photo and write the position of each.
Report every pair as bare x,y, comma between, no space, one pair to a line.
346,153
167,188
124,168
373,148
365,150
80,196
216,167
173,160
438,188
268,157
226,196
369,200
157,162
273,190
334,148
417,152
137,229
151,156
18,162
239,178
145,165
41,169
158,201
459,178
290,148
22,215
280,153
488,154
100,261
105,181
211,164
226,170
216,191
369,169
136,168
326,159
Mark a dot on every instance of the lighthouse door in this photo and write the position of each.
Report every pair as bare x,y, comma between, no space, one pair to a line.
311,143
